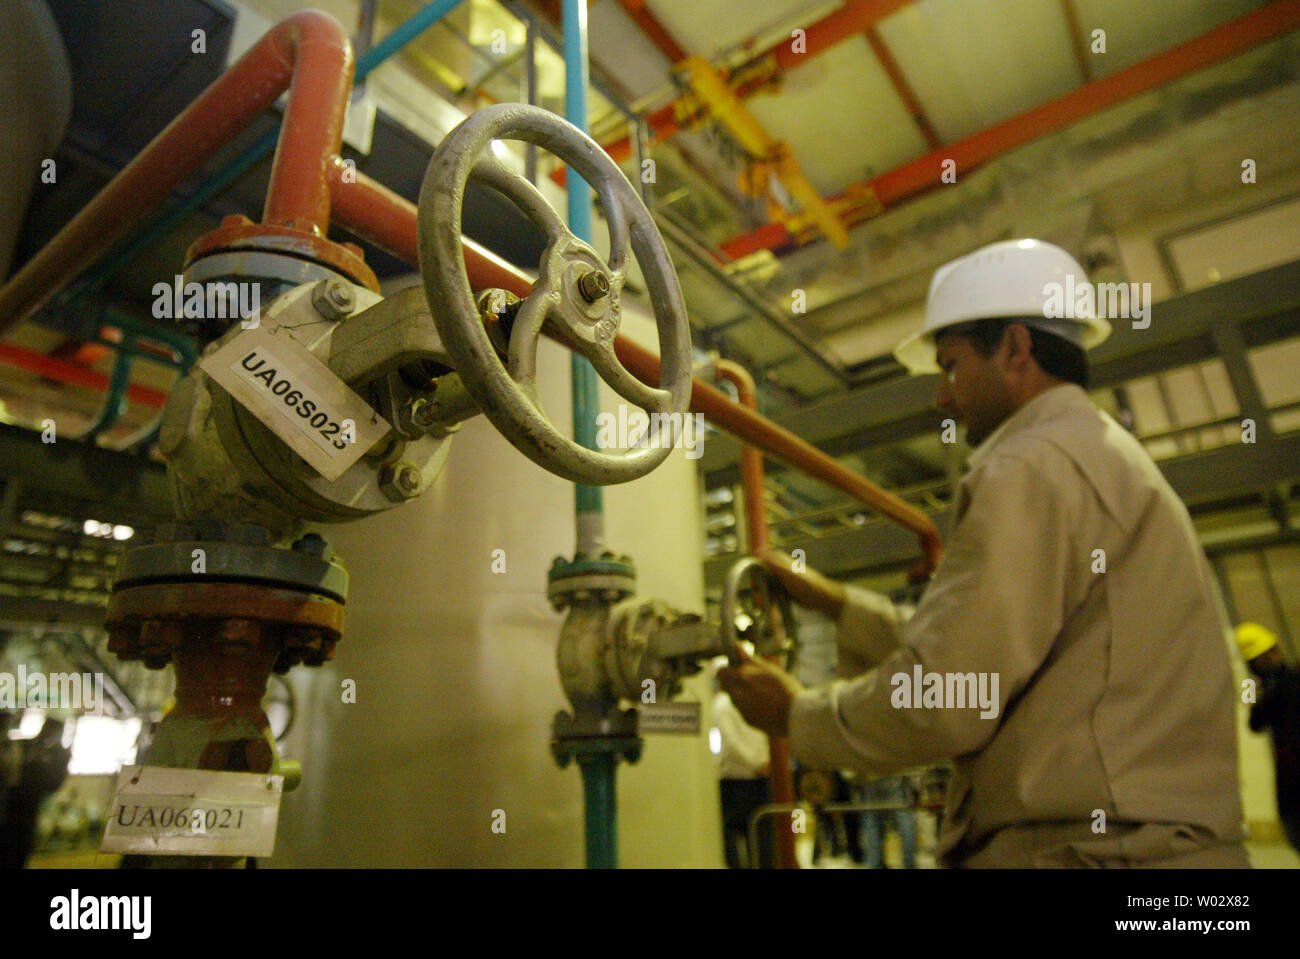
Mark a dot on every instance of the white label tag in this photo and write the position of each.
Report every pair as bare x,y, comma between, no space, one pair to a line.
298,398
193,812
681,717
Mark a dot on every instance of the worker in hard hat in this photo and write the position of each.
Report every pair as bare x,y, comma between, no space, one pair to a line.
1275,708
1069,653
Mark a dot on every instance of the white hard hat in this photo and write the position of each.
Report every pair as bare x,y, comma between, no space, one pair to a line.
1027,280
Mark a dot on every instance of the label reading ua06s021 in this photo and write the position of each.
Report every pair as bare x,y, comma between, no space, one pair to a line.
298,398
199,812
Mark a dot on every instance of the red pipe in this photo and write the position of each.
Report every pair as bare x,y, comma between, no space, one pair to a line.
856,16
309,49
64,372
1223,43
780,770
388,220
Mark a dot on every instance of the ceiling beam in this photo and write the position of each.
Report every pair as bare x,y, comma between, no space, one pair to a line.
654,30
868,198
903,89
763,71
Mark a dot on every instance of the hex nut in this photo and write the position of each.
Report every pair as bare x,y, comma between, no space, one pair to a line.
333,299
400,481
593,285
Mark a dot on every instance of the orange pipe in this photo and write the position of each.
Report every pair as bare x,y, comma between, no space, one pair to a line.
751,460
751,475
307,53
317,51
388,220
62,371
1222,43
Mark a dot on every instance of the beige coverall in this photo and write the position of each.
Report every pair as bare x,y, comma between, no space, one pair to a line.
1115,695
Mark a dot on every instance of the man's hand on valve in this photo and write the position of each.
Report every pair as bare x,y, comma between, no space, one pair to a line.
762,692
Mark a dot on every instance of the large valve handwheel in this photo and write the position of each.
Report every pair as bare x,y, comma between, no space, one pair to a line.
766,597
576,295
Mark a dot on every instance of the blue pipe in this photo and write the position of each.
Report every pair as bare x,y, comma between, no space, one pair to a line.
132,248
598,769
588,500
403,34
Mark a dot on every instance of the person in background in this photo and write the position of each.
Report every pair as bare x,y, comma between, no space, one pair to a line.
44,768
1276,708
888,789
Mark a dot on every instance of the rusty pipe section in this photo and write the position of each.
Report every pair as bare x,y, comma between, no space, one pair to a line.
751,460
780,770
310,55
388,220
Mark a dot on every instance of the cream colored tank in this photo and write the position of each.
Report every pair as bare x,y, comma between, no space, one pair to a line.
35,103
455,674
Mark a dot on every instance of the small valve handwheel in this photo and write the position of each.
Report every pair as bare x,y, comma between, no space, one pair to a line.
765,595
576,295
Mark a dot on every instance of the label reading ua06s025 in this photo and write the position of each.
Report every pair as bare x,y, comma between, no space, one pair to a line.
298,398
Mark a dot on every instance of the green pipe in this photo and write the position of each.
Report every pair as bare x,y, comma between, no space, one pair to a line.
600,808
115,401
185,348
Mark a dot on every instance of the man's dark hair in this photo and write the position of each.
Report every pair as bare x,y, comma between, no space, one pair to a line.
1056,356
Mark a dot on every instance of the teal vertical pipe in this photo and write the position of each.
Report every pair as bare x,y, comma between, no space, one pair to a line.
115,400
601,809
588,500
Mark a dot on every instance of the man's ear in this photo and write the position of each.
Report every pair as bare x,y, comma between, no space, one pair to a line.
1018,346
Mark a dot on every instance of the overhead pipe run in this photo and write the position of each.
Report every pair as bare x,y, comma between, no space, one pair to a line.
144,240
308,54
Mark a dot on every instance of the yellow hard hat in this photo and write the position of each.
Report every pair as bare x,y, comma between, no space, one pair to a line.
1254,640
